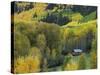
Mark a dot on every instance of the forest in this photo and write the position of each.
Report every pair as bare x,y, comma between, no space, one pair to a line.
53,37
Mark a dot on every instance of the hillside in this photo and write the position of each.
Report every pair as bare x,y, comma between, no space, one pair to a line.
47,35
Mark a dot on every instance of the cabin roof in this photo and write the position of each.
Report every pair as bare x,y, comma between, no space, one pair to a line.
78,50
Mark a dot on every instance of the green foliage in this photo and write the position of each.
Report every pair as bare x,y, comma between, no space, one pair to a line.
72,24
82,62
21,45
51,31
91,16
84,10
94,44
45,65
28,29
69,63
76,17
34,51
93,59
79,36
54,54
66,60
41,42
57,18
71,66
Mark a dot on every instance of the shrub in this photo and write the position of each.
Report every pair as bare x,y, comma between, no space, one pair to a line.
82,62
20,66
66,61
28,64
71,65
93,60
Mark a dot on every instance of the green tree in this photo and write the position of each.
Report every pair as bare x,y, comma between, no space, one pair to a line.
34,51
94,44
21,45
45,66
54,54
66,61
41,42
27,64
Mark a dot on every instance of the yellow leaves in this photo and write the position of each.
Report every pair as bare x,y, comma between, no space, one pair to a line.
68,33
76,63
33,64
64,32
20,66
76,17
28,64
80,30
25,15
93,60
82,62
40,8
72,65
73,23
41,41
34,51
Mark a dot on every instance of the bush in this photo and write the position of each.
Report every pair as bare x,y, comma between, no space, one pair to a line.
70,64
66,61
82,62
28,64
93,60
